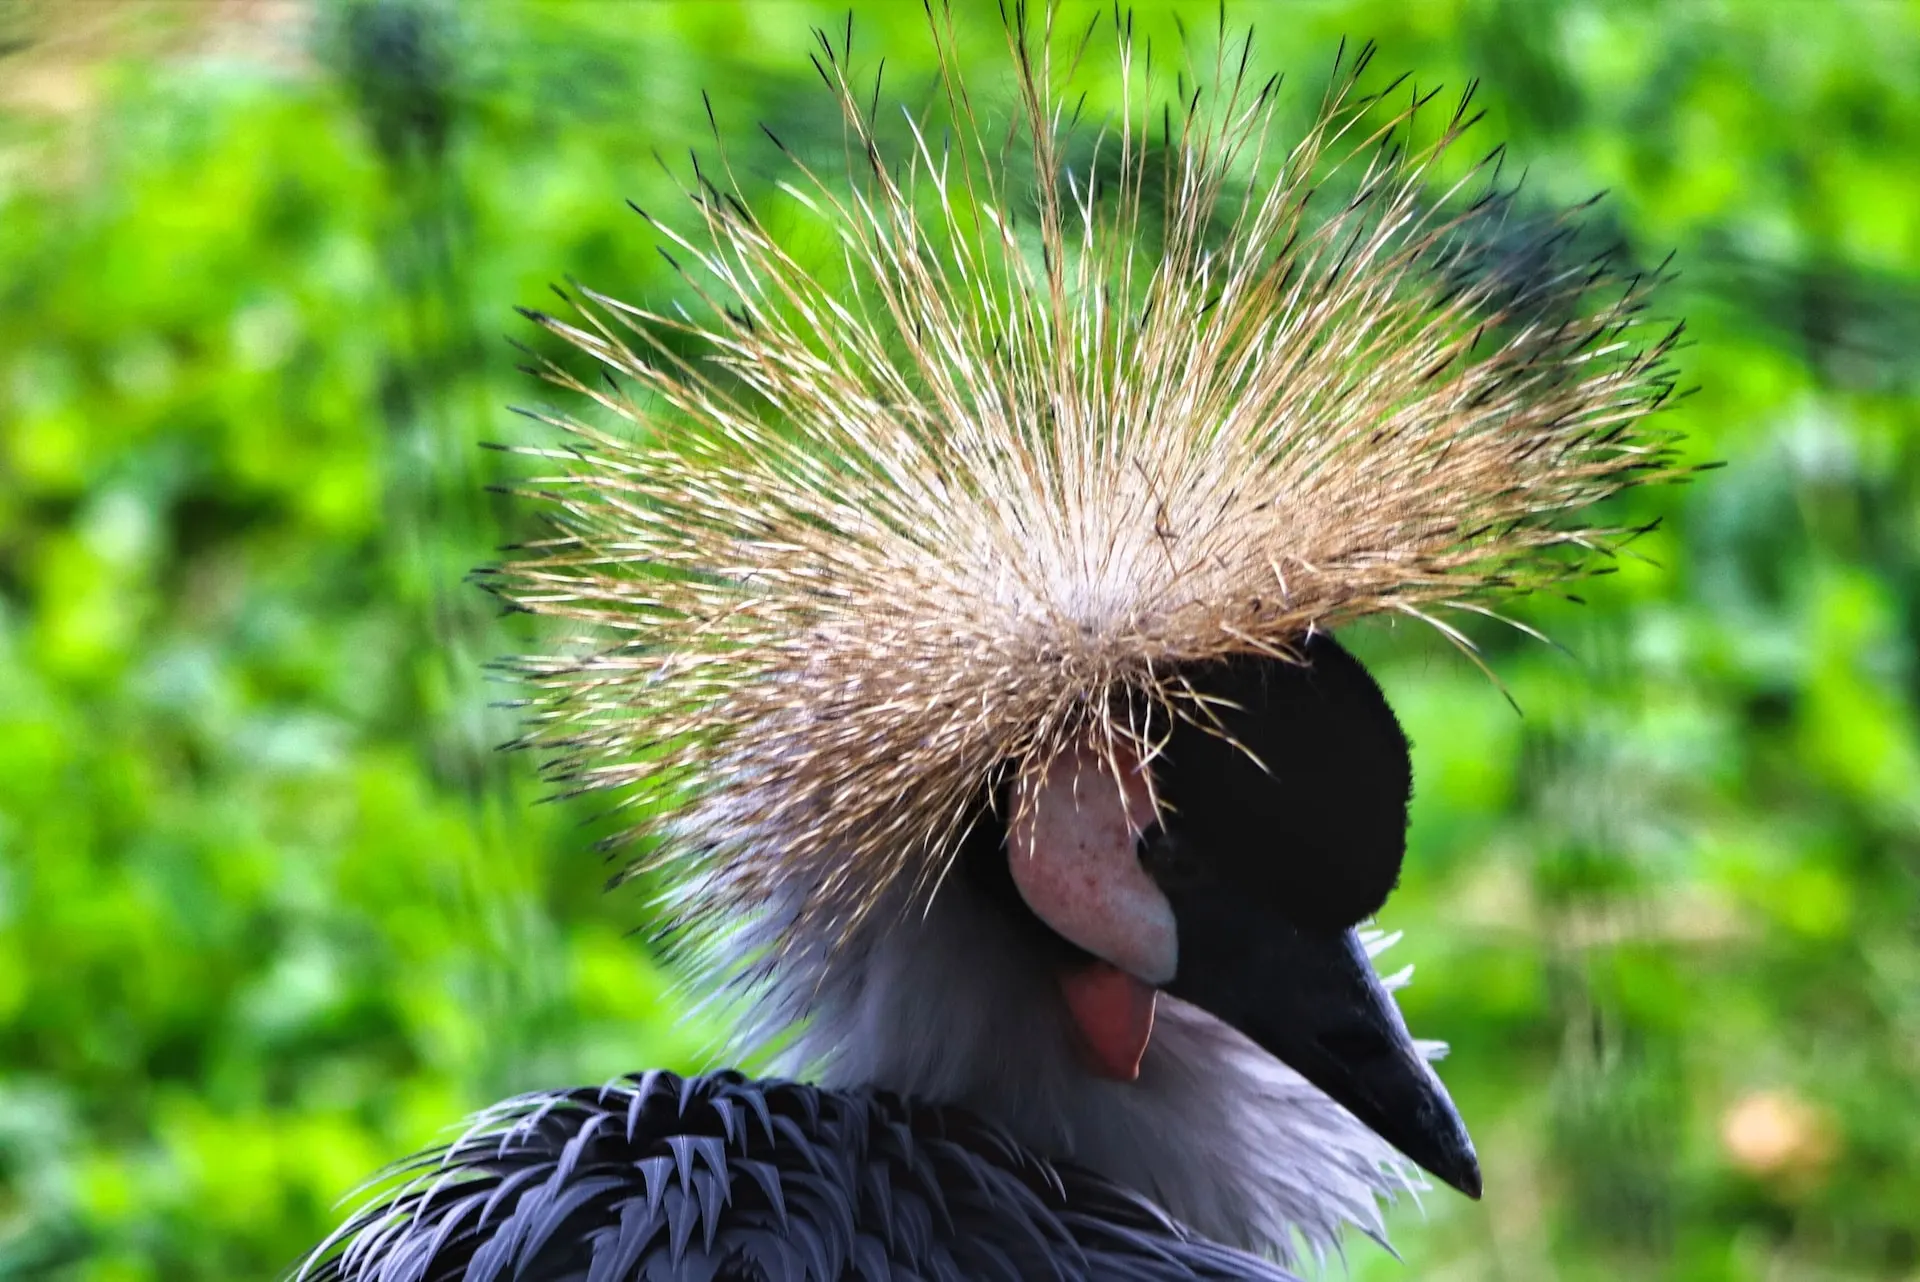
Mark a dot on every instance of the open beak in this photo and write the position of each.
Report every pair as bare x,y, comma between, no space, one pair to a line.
1313,1001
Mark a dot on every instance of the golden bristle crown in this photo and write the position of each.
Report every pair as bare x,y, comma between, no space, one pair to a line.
1070,404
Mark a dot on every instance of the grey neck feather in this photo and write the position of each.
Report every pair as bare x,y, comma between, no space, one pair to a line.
959,1008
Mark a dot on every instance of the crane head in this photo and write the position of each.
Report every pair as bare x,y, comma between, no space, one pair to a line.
1229,864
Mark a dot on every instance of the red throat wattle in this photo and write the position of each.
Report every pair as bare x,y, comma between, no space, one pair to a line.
1113,1013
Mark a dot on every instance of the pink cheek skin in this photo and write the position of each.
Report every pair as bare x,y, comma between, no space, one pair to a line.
1073,858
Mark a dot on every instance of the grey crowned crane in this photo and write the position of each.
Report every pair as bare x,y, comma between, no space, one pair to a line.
960,591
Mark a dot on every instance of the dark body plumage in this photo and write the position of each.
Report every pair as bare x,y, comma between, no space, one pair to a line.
718,1178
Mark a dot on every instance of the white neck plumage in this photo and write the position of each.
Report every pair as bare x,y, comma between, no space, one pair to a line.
957,1007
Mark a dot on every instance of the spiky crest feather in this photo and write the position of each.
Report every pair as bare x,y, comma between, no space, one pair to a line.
885,532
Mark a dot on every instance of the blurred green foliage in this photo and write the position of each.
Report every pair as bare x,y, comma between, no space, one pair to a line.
273,912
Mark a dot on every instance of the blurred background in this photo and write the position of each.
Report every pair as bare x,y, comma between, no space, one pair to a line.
273,911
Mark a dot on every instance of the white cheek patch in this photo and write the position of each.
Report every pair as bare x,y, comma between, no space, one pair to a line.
1072,852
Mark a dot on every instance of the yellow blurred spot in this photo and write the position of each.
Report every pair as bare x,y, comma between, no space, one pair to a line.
1776,1135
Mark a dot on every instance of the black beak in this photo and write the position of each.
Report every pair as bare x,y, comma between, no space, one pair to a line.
1312,1001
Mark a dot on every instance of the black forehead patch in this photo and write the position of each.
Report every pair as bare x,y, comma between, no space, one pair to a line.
1318,833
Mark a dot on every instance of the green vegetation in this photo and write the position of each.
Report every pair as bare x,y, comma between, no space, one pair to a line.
273,912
